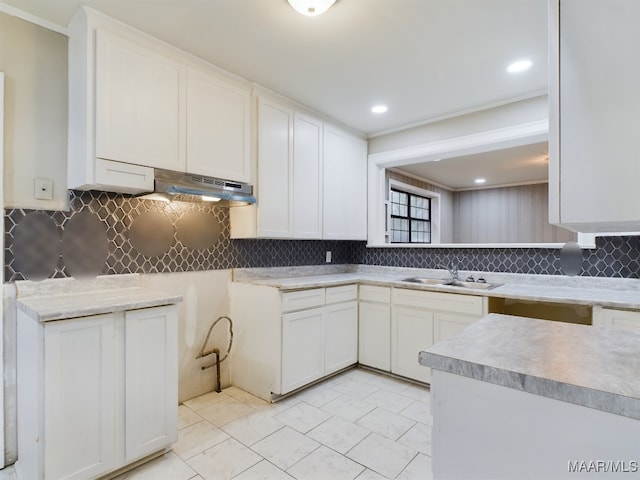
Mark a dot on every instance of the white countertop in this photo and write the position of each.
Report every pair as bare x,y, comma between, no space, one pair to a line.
595,367
59,299
606,292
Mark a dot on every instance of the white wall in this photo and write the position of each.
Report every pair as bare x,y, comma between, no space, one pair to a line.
504,116
34,61
205,298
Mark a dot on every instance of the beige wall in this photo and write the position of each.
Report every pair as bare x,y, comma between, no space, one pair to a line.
518,214
34,61
505,116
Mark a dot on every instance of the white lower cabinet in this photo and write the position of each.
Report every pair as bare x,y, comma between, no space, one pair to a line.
411,332
95,393
374,335
340,336
302,348
286,340
151,381
421,318
318,341
79,405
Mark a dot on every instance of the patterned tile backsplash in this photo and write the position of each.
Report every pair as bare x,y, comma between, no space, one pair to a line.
113,234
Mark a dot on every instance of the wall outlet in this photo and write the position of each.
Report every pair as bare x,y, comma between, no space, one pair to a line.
327,257
43,189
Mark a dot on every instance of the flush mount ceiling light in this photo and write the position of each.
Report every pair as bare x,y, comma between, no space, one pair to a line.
480,181
519,66
379,109
311,8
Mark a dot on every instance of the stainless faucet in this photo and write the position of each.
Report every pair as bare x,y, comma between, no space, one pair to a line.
453,271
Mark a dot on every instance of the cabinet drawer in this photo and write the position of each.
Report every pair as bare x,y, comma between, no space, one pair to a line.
341,294
303,299
374,293
450,302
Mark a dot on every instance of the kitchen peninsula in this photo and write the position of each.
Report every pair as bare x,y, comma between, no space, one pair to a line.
524,398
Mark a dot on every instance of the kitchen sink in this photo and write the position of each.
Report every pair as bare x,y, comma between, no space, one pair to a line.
452,283
426,281
474,285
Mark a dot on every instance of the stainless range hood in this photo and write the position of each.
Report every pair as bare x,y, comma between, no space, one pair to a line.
185,187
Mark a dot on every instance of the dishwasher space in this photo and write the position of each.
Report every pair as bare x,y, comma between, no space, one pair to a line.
559,312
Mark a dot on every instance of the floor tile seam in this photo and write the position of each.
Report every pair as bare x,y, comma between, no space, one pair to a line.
258,441
407,465
334,451
307,431
263,459
387,437
417,452
184,459
249,467
298,461
228,397
409,418
196,423
387,409
317,426
217,445
356,420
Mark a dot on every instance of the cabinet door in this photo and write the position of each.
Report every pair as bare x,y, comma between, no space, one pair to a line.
307,177
594,167
274,158
340,336
449,324
80,397
217,128
623,319
302,348
344,186
374,337
411,332
151,380
140,114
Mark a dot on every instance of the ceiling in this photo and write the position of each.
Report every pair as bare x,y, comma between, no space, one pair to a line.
425,59
509,166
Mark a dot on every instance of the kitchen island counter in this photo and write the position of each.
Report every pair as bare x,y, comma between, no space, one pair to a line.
595,367
525,398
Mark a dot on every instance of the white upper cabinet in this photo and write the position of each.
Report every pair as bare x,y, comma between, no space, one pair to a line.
345,191
312,179
307,177
289,174
140,114
218,126
136,103
594,154
275,143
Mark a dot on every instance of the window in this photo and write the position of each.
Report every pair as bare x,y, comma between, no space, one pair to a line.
410,217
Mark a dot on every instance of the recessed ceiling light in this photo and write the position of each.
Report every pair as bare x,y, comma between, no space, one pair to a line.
519,66
379,109
480,181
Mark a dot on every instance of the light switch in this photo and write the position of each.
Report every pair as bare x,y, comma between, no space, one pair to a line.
327,258
43,189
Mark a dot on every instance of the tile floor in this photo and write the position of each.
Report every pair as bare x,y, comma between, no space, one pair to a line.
357,425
